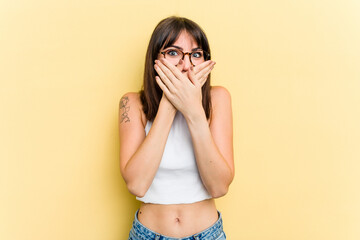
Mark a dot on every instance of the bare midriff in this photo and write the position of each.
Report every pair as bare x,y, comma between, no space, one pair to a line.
178,220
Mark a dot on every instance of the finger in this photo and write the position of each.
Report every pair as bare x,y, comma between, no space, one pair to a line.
165,80
192,76
201,66
204,78
166,71
163,87
173,69
205,71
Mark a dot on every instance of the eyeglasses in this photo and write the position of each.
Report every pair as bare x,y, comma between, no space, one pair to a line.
175,55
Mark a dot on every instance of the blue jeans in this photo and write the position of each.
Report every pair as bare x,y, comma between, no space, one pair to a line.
214,232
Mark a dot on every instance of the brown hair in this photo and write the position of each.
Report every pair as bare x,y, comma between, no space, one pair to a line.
164,35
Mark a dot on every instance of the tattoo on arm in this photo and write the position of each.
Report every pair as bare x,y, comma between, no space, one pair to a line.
124,108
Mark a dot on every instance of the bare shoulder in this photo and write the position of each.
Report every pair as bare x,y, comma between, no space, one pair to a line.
130,98
219,95
130,107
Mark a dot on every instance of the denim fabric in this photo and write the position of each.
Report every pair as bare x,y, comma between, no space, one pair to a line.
140,232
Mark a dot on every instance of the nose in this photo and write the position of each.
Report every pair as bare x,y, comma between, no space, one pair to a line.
185,63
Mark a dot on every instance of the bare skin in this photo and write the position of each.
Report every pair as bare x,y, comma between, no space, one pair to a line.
179,220
212,142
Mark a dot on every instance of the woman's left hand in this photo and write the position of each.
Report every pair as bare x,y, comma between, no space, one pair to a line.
182,90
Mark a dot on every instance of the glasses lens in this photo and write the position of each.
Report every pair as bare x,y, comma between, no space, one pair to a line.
197,57
173,56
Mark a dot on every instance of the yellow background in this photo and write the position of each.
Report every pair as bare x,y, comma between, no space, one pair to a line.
292,67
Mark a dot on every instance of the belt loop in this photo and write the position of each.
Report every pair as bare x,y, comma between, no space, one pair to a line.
196,237
157,237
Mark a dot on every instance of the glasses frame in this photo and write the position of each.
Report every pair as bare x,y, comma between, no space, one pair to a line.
206,55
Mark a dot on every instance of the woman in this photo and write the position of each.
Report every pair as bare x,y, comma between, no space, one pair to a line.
176,150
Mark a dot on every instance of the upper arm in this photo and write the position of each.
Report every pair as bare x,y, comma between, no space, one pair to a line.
221,124
131,127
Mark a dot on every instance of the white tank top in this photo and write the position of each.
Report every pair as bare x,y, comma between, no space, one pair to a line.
177,180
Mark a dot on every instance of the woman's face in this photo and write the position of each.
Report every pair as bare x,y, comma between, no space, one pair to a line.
187,44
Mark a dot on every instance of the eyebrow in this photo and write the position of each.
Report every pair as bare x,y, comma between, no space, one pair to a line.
180,48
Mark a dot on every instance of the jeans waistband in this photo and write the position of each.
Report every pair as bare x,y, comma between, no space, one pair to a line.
214,230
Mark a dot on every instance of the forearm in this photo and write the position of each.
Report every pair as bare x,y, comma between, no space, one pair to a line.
214,170
141,168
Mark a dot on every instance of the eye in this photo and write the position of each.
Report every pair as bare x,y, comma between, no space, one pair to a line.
197,54
172,53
